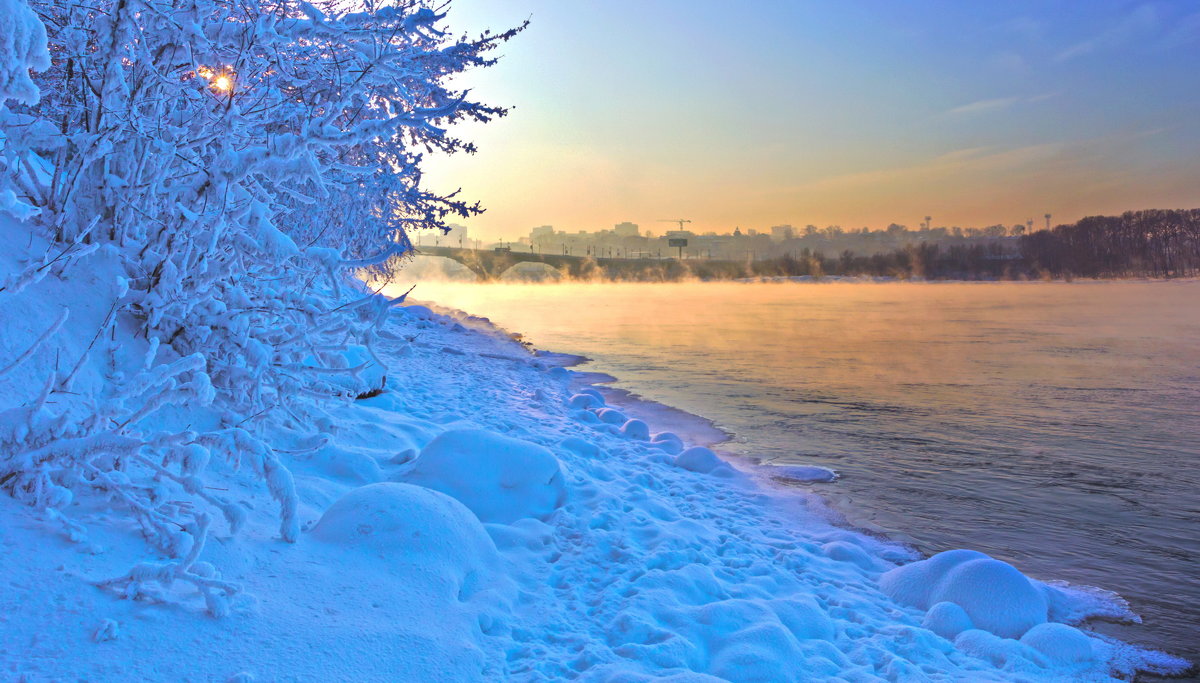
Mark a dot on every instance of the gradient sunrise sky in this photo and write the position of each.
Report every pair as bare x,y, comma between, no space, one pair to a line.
854,113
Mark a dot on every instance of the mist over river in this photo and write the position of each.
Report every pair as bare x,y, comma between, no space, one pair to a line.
1052,425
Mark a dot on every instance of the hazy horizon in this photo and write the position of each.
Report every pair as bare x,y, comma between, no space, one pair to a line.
853,115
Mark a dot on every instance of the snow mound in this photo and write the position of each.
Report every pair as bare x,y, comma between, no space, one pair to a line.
1061,644
417,312
636,429
499,478
1003,653
699,459
582,401
417,524
995,595
611,416
947,620
848,552
667,441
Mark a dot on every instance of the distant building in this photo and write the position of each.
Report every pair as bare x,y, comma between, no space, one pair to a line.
456,235
780,233
541,231
626,229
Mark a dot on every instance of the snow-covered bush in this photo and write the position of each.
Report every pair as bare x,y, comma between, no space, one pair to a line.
241,161
22,47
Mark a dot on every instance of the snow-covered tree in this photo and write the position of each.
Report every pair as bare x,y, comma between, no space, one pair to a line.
242,161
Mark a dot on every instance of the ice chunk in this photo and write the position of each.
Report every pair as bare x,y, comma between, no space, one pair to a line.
499,478
802,473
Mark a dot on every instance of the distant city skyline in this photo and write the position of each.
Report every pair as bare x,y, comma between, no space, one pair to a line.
851,114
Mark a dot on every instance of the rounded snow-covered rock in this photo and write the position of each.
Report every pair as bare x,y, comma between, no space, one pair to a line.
947,620
1001,652
584,402
558,372
349,465
1061,644
848,552
911,584
499,478
668,442
611,416
699,459
585,416
594,393
417,311
415,523
635,429
995,595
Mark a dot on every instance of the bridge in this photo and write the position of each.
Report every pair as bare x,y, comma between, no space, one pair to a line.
489,265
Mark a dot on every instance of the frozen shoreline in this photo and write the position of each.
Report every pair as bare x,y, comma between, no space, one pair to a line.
483,519
1104,605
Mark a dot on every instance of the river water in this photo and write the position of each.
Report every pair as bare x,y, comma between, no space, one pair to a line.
1052,425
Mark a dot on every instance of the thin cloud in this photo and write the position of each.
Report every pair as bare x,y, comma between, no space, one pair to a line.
1141,20
996,104
950,165
985,105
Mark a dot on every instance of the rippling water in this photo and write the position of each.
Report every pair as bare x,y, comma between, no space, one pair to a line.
1055,426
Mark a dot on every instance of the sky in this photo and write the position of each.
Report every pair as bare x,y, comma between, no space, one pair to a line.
856,114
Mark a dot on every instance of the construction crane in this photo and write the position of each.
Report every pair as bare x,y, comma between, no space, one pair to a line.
680,221
677,242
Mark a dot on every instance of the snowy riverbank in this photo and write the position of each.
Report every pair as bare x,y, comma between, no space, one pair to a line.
484,519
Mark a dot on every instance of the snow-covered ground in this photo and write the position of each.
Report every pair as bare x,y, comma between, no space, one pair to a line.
485,518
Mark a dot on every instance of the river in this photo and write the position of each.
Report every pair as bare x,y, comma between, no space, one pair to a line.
1052,425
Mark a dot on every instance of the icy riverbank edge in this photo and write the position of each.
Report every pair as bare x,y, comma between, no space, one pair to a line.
484,519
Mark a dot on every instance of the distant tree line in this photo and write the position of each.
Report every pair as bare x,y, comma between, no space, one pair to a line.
932,261
1154,243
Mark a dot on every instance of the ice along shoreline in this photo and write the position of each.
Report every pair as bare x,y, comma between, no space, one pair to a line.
1103,605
